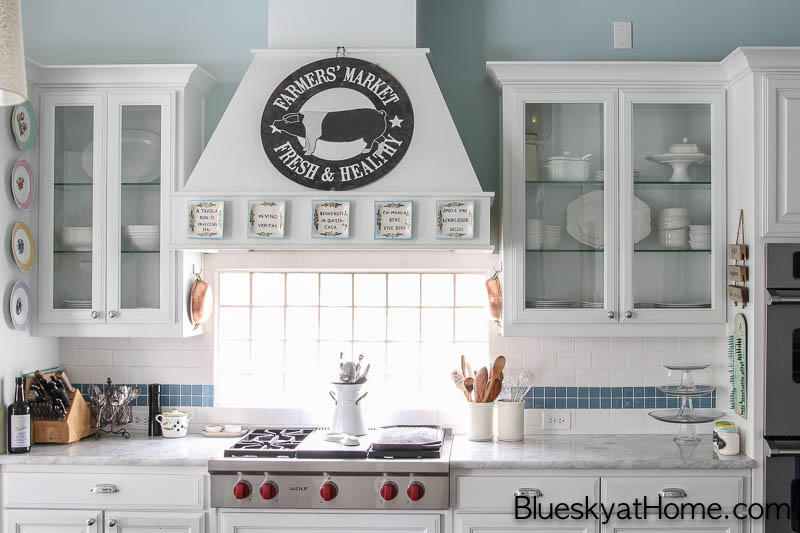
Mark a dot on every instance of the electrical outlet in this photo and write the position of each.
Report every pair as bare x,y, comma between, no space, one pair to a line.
623,35
556,419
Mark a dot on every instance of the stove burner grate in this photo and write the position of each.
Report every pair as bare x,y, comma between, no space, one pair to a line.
269,442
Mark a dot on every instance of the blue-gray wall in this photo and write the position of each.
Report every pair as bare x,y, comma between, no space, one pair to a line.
462,35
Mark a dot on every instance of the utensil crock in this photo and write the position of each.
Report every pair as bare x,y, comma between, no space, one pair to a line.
510,421
481,421
348,418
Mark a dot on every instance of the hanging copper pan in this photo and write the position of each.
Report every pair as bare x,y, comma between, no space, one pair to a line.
201,302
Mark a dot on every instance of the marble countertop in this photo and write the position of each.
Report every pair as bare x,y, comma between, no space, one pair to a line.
591,451
140,450
535,452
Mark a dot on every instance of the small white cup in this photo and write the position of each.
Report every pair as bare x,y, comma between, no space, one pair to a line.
510,421
213,428
233,428
481,421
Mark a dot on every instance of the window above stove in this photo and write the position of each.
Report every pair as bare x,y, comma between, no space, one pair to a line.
279,336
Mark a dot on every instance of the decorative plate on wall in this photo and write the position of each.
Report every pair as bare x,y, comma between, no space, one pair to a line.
330,219
20,305
394,219
455,219
22,184
23,124
22,246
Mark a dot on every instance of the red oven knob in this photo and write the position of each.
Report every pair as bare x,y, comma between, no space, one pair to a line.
328,491
268,490
241,490
388,491
415,491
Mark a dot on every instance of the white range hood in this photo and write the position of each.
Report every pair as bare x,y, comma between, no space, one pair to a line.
234,167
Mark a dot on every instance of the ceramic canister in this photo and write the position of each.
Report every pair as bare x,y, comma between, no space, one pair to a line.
348,417
481,421
510,421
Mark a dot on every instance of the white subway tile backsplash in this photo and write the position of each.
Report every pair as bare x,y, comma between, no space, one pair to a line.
661,344
558,344
558,377
94,357
574,360
125,358
626,344
696,344
119,374
522,344
626,377
593,377
540,360
608,360
643,359
114,343
592,344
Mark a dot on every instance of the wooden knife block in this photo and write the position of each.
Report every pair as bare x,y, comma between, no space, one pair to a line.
78,424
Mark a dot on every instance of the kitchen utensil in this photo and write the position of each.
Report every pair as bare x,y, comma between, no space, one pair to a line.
363,377
469,384
62,377
201,301
524,384
566,167
481,421
493,390
174,423
585,219
510,421
458,381
481,381
497,367
76,238
495,293
348,417
464,366
347,372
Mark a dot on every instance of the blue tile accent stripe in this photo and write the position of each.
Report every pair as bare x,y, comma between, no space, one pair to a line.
609,398
171,395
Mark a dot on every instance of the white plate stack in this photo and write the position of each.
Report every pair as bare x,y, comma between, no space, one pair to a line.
700,237
552,236
534,234
673,227
77,304
142,238
546,303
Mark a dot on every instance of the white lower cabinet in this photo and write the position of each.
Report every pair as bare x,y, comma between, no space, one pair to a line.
93,521
37,521
500,523
670,526
325,522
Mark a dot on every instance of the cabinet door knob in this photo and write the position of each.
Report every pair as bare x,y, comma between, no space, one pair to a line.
611,314
90,522
628,314
112,523
112,314
95,314
528,492
104,488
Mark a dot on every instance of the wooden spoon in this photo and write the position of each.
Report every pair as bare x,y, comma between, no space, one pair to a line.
469,384
464,367
498,366
481,380
493,390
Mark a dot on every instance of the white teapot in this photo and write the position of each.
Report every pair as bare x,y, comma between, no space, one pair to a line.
174,423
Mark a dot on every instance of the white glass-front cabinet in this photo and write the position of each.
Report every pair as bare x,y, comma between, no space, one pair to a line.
109,159
613,208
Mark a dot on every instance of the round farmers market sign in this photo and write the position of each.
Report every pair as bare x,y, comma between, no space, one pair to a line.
337,124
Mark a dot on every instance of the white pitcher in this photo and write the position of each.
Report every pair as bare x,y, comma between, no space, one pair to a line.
348,417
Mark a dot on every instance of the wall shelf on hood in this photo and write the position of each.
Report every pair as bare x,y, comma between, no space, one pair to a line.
234,166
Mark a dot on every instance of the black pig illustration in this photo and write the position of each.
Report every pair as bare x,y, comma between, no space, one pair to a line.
334,126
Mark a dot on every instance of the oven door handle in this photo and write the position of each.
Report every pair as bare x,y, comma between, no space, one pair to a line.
776,297
774,450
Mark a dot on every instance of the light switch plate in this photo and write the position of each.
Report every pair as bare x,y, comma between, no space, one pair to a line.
623,35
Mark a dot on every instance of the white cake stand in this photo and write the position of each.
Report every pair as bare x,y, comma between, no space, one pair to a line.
680,163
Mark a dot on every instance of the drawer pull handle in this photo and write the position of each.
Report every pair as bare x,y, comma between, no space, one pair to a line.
672,493
112,523
90,522
530,493
104,488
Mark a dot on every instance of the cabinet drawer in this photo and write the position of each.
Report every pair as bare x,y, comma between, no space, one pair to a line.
724,490
497,493
123,491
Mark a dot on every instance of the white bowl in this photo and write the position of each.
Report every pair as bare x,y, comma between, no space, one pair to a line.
694,245
147,243
148,229
77,238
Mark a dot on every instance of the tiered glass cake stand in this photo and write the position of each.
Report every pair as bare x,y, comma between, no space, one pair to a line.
686,415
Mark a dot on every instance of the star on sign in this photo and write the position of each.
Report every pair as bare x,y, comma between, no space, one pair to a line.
274,129
396,122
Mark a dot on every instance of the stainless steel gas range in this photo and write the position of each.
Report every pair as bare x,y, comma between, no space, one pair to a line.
299,468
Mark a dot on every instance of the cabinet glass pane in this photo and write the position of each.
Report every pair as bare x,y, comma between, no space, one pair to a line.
564,226
671,149
140,177
72,205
